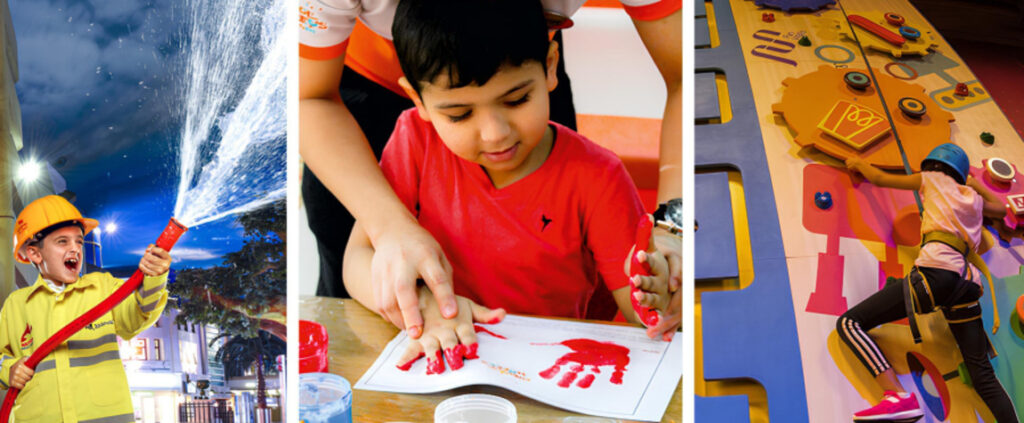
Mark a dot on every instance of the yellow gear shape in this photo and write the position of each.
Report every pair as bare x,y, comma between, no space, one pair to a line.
808,99
922,46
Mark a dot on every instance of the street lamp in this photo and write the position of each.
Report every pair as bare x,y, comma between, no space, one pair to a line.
29,171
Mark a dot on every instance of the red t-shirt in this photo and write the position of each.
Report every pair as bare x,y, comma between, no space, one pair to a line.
540,246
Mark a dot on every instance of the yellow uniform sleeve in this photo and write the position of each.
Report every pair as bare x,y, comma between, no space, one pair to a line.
139,311
7,358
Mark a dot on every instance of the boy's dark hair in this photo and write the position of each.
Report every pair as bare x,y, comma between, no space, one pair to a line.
937,166
469,40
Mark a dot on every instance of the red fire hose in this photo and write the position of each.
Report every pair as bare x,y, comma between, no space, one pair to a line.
167,239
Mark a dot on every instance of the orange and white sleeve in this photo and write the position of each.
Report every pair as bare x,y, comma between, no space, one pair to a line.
325,26
651,10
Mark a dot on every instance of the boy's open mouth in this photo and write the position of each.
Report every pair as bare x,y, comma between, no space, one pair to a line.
71,264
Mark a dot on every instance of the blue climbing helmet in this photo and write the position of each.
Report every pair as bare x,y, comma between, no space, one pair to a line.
953,156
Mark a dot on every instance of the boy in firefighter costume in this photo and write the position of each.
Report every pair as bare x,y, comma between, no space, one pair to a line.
83,380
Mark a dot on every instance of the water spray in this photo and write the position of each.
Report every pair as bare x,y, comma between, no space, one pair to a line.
167,239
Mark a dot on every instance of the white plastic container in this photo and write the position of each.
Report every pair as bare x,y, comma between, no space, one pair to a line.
324,398
475,408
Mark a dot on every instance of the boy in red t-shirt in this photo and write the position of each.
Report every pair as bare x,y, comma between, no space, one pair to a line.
533,218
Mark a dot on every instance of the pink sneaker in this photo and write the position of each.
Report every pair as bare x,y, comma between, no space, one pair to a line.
892,409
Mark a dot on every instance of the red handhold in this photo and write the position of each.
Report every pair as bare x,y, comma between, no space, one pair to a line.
894,19
961,90
768,17
882,32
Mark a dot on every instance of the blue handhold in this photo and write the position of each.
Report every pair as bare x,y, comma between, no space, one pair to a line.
910,32
823,200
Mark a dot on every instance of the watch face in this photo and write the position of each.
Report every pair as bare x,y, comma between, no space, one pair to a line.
674,211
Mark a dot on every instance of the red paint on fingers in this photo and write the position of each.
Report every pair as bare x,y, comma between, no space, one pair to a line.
435,366
454,356
405,367
471,351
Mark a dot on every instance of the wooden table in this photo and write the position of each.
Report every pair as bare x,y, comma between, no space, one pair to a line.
357,336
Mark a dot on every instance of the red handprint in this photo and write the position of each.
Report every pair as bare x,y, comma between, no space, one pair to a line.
587,352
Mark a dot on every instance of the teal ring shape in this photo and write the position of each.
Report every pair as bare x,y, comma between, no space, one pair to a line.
850,55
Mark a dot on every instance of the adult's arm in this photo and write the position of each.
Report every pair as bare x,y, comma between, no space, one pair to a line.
663,39
336,150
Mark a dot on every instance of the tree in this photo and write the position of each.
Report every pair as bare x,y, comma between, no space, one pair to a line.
247,292
244,296
239,353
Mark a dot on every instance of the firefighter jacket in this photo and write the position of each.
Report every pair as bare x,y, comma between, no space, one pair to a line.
83,379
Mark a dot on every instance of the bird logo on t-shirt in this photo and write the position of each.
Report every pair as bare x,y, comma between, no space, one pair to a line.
544,219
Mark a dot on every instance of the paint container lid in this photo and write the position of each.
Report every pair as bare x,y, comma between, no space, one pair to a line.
313,342
324,398
475,408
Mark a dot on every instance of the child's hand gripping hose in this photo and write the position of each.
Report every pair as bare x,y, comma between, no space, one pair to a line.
167,239
649,316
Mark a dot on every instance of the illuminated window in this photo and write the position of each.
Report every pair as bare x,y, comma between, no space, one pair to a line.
158,350
139,349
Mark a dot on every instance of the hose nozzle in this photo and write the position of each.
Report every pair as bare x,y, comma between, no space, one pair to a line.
170,235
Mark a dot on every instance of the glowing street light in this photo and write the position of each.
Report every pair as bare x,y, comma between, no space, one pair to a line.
29,171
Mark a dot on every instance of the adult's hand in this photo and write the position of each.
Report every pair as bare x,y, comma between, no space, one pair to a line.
671,318
404,251
404,254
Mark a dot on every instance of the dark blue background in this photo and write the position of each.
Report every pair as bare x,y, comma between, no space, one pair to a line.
100,96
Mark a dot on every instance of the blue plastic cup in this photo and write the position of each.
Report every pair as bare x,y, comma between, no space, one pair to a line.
324,398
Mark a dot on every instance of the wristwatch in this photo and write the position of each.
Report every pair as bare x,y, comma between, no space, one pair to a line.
669,216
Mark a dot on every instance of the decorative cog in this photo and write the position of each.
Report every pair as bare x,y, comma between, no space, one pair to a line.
808,99
921,46
789,5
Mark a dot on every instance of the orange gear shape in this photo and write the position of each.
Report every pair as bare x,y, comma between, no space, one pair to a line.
807,99
922,46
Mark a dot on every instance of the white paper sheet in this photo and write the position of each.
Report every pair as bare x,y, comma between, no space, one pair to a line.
532,346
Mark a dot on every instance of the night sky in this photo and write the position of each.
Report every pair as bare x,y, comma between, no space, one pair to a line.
101,91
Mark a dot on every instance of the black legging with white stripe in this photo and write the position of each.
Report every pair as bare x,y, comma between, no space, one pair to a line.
887,305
